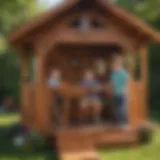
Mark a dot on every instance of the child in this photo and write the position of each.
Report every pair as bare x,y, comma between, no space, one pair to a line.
119,80
92,99
55,79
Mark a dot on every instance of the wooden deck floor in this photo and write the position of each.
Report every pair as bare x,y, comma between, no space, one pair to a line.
102,135
75,141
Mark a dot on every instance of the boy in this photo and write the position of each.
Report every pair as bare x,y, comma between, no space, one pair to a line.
119,80
92,99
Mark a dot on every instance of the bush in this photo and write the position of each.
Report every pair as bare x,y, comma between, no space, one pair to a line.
26,140
145,135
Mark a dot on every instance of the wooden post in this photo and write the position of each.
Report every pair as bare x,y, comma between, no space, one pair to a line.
138,90
42,115
43,99
132,111
144,85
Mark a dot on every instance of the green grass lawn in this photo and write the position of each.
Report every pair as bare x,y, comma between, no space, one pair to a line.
148,152
6,120
9,152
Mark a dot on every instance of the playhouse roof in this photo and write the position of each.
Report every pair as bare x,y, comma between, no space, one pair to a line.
124,16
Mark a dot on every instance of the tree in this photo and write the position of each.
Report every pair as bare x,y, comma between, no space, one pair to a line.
12,14
147,10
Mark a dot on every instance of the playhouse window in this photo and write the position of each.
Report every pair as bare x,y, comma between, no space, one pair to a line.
96,24
75,23
86,23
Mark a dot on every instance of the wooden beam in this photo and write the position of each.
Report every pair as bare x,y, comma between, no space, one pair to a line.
43,110
92,37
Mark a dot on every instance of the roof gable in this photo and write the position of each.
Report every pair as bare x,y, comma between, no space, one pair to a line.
85,4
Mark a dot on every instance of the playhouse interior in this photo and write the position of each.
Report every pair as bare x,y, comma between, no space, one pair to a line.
72,61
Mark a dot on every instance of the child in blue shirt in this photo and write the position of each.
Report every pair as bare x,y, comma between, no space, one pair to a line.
119,80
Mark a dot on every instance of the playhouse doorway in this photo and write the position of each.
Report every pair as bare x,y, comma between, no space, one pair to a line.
72,61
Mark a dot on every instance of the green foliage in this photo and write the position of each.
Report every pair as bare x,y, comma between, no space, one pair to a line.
145,135
9,127
25,140
9,70
12,15
35,142
147,10
154,76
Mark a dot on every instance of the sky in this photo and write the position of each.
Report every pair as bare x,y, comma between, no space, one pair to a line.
50,3
53,2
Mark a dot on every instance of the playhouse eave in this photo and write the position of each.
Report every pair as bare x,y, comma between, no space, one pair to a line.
130,20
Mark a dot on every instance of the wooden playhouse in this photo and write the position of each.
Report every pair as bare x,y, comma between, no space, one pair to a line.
70,37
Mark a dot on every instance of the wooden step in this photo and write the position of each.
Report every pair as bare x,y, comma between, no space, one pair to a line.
78,141
83,155
116,138
95,137
81,144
